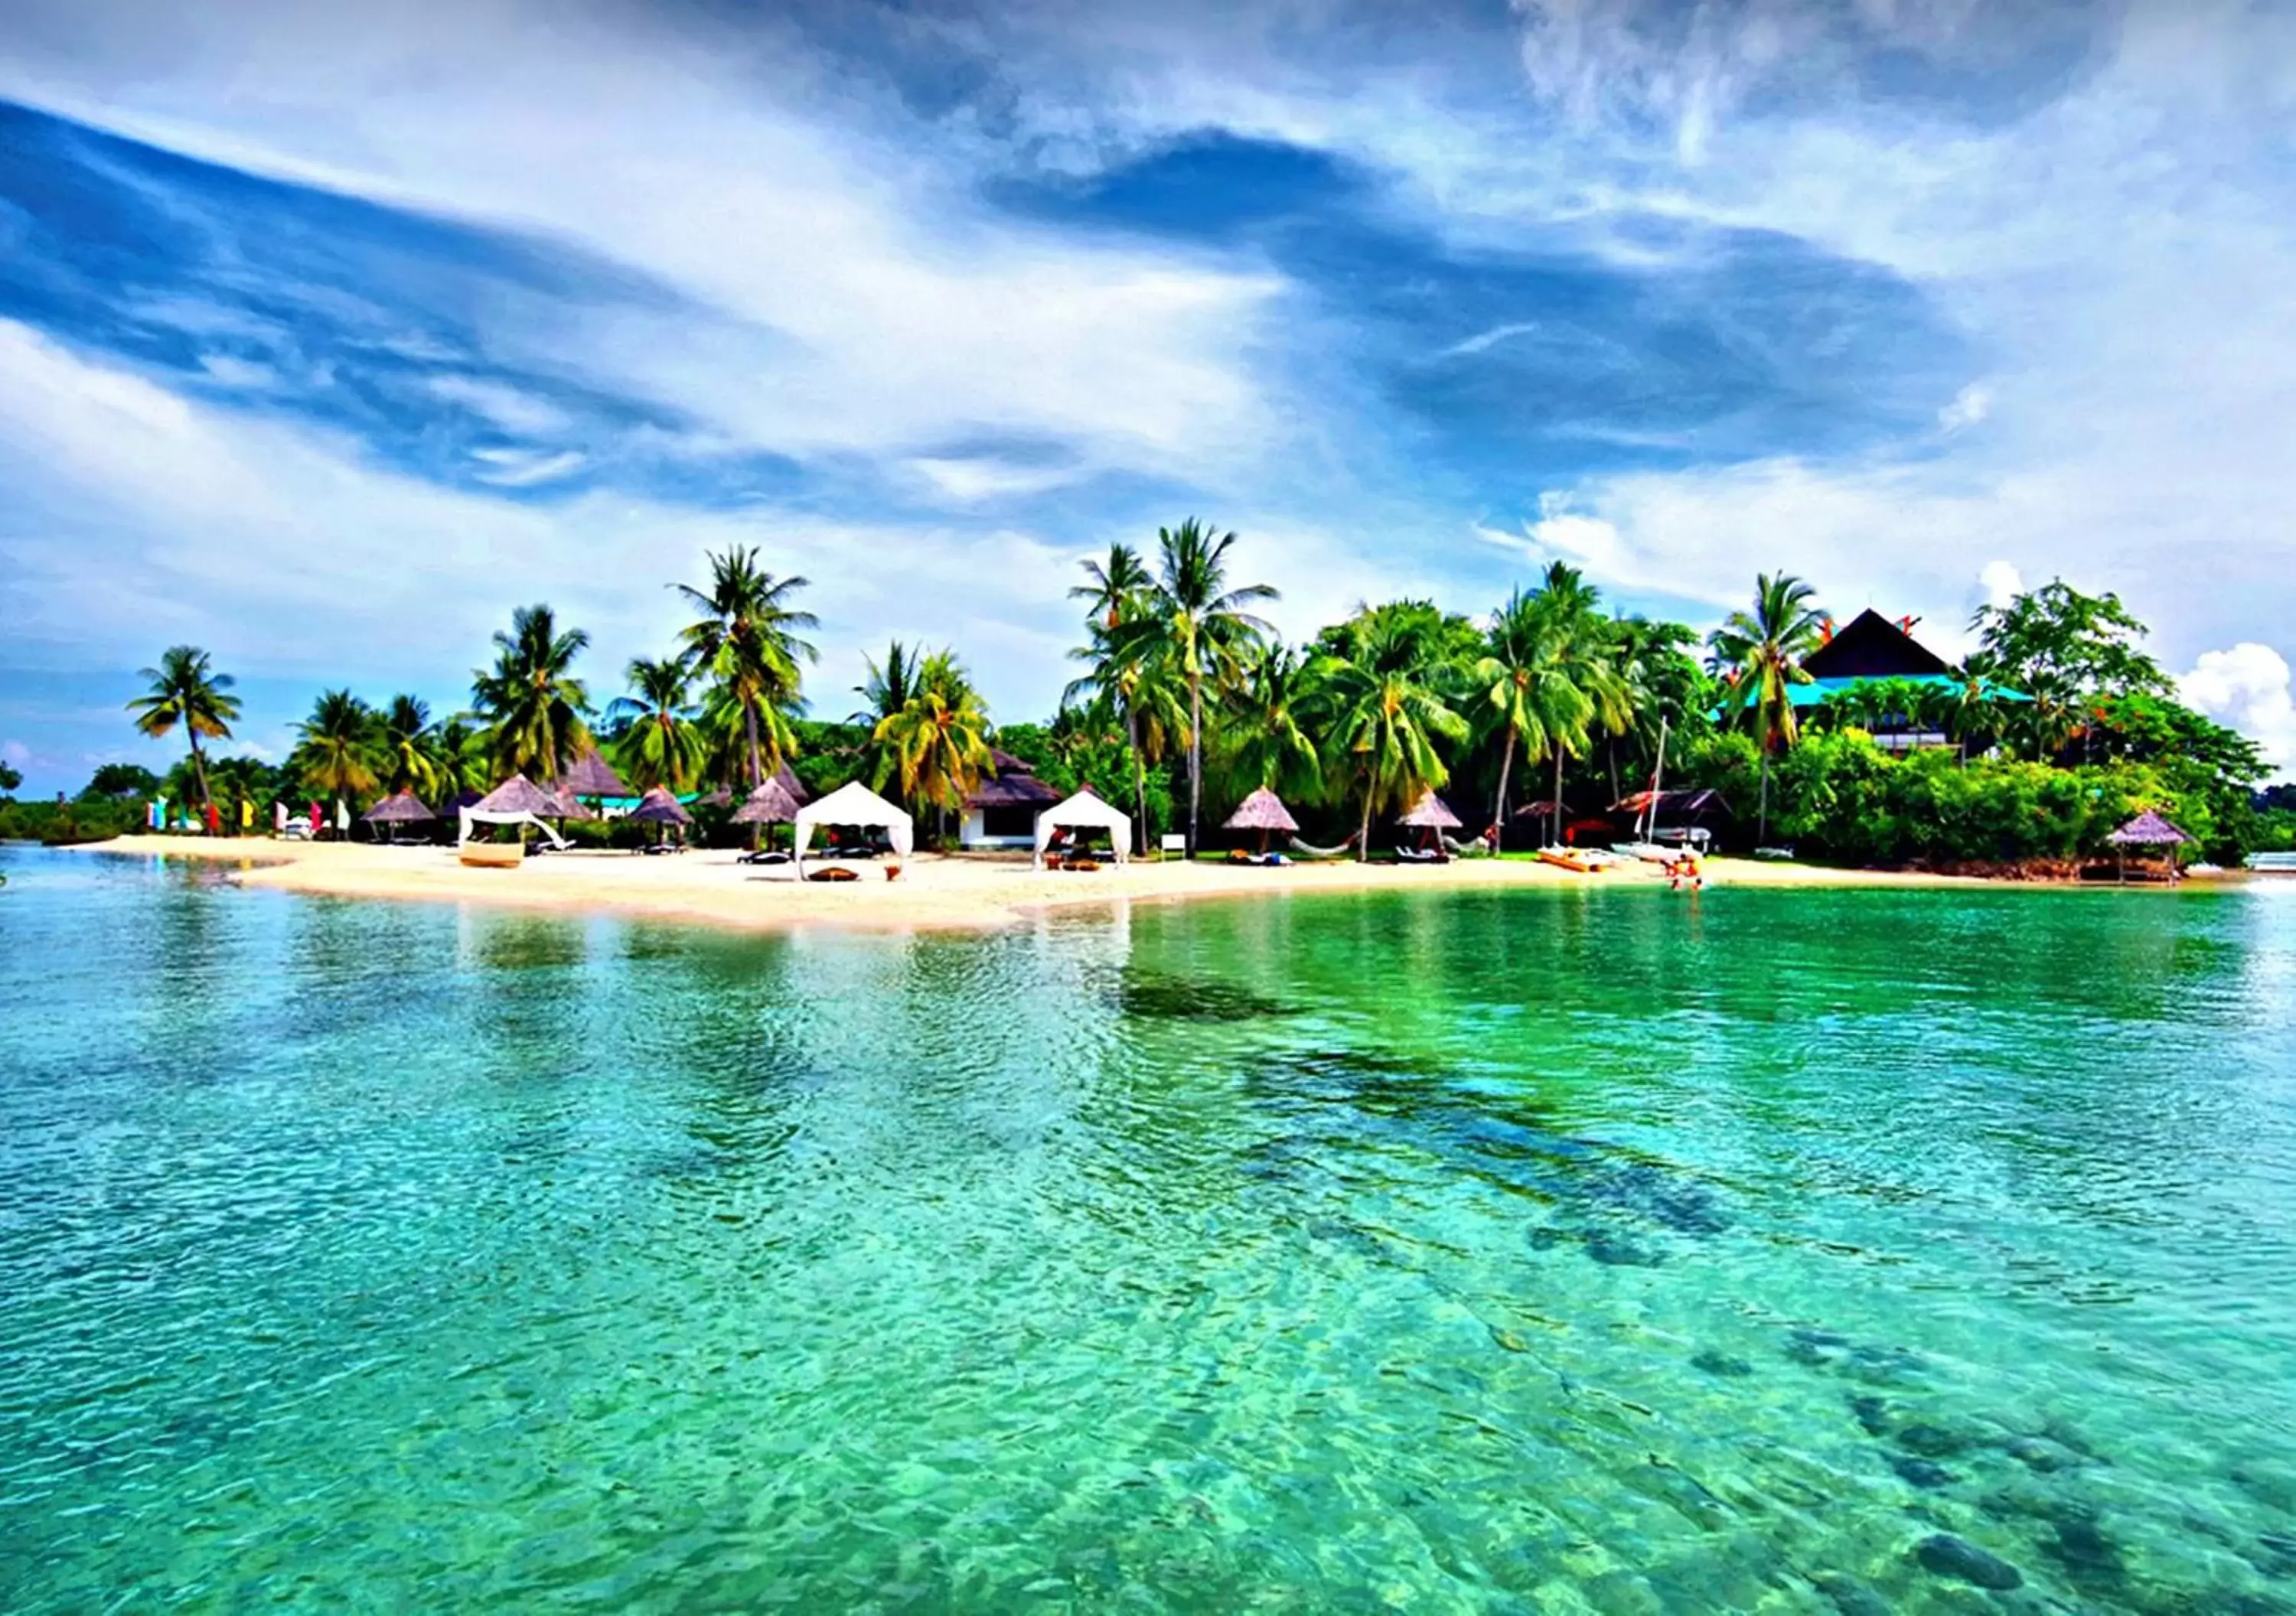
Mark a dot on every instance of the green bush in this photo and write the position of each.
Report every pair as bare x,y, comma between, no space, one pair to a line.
1836,796
88,820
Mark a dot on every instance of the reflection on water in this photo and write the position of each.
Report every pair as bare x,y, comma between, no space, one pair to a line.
1527,1251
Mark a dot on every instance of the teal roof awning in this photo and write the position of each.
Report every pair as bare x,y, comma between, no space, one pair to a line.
1817,692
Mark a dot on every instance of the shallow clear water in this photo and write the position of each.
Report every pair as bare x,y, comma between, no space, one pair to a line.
1535,1252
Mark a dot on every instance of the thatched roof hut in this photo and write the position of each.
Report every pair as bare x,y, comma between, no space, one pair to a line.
769,804
517,795
659,807
591,775
2148,830
1431,812
786,778
400,808
1263,810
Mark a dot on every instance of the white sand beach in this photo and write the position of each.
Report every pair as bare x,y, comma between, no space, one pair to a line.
933,891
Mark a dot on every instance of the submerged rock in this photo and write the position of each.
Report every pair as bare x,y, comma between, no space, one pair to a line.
1933,1442
1851,1597
1674,1202
2092,1558
2040,1454
1873,1415
1921,1472
1711,1362
1156,995
1947,1555
1613,1250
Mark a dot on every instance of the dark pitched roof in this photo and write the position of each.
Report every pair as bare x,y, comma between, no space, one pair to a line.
1010,786
1872,648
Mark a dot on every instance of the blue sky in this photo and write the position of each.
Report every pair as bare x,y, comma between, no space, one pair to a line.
325,339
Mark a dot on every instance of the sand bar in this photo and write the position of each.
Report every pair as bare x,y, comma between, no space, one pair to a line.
934,891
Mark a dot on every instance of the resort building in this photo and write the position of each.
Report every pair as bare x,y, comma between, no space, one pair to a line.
1871,649
1002,813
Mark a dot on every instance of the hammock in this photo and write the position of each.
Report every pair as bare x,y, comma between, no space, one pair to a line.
1473,847
1307,852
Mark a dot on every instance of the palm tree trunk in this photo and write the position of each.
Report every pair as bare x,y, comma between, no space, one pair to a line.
1139,781
1363,835
1762,823
1195,754
1558,794
1506,767
200,774
749,724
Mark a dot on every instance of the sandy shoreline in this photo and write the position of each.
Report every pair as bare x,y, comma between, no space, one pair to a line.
934,891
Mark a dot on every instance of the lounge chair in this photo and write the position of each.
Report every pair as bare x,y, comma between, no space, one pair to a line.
1421,856
763,855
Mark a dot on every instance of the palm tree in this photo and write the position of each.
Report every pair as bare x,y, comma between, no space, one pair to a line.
747,641
186,691
1518,696
940,737
534,705
1760,654
334,749
1385,712
1201,628
1126,667
461,753
887,689
660,746
410,746
1265,742
1116,586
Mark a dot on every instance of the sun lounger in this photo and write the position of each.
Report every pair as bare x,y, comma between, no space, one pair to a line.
1569,858
763,856
1421,856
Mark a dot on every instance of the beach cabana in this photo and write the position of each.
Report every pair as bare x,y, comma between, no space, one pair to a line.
1264,811
591,775
1087,810
1001,810
2148,831
853,806
400,808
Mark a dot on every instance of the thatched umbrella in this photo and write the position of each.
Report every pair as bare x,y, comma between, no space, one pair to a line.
1431,812
769,804
400,808
517,795
565,805
2147,829
717,798
658,807
1264,811
591,775
1432,815
786,776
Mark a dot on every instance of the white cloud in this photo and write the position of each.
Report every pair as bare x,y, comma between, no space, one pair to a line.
1969,407
836,295
161,519
2248,689
228,371
527,469
2001,582
518,413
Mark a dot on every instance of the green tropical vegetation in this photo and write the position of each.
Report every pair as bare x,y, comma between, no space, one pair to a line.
2059,725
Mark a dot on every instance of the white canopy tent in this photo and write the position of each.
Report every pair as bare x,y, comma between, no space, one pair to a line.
1086,811
853,803
468,817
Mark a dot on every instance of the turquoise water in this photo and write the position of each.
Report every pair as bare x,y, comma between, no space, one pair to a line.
1609,1252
